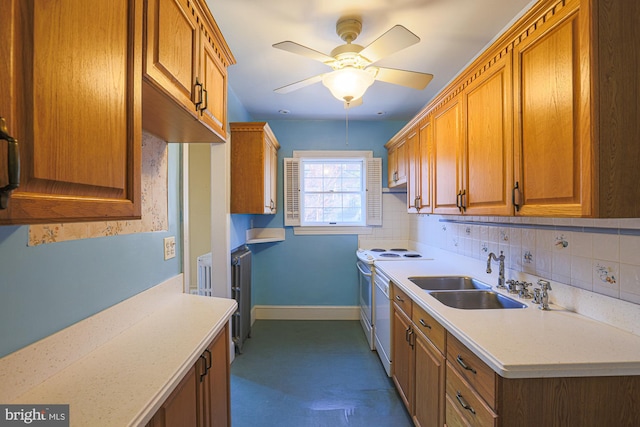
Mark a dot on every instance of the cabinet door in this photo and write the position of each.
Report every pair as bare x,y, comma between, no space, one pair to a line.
401,163
75,110
180,407
488,152
413,170
424,182
402,357
447,174
274,178
214,388
172,48
553,163
213,75
269,174
391,170
430,384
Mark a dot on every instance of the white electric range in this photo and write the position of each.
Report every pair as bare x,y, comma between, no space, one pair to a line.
375,305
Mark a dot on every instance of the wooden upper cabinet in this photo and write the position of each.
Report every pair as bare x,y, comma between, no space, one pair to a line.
447,164
488,141
254,168
419,168
185,72
553,144
74,105
397,163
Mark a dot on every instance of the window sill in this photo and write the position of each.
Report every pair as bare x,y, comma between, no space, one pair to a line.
332,230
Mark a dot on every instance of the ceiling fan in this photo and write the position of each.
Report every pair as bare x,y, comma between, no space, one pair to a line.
353,65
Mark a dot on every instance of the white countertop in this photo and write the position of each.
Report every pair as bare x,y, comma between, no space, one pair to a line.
120,380
521,343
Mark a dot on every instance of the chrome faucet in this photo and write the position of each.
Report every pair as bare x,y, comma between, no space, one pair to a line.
500,259
545,287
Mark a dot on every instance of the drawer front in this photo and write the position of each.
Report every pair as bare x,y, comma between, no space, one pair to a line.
402,300
463,405
430,327
472,369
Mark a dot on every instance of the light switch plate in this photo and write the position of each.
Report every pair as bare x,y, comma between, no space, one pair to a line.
169,247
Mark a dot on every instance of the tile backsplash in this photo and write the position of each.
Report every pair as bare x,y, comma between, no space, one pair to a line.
601,256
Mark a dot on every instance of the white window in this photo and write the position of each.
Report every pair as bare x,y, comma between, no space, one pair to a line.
333,192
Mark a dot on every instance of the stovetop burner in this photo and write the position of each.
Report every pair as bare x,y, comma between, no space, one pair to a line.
389,255
378,250
399,250
412,255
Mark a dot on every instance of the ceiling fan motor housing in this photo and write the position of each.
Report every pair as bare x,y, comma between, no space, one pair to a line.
349,28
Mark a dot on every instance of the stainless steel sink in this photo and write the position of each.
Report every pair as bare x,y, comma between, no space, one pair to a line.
448,283
476,300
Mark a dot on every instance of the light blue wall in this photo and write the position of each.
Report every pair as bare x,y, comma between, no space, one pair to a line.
239,223
313,270
46,288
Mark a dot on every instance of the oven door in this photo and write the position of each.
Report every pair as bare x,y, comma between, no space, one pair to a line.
365,289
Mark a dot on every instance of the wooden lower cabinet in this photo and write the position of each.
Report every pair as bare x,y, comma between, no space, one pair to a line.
462,390
418,367
429,383
202,398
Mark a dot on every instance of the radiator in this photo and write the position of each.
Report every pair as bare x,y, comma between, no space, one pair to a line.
204,275
241,292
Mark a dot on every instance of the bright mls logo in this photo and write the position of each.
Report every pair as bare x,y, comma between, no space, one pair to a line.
34,415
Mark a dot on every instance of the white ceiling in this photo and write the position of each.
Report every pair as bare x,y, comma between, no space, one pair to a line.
452,33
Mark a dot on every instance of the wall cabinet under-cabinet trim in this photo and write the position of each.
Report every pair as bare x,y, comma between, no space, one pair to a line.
254,168
544,126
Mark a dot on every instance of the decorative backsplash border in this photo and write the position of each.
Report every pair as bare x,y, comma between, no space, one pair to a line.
154,204
555,227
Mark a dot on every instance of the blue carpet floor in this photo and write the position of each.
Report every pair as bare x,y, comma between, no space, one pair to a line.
312,374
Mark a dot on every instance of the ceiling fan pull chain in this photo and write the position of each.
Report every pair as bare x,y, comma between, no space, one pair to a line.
347,126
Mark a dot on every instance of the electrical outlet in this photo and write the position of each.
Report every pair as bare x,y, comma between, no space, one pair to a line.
169,247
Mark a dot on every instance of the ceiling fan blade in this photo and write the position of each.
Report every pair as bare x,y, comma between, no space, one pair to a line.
298,49
299,85
394,40
353,103
411,79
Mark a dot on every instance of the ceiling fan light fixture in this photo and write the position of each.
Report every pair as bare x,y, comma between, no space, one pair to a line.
348,83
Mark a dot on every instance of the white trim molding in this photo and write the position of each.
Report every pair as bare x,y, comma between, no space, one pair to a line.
304,312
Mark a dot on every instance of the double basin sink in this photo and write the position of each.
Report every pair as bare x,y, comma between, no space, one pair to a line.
465,293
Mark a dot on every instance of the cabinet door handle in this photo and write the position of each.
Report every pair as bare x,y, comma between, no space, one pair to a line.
272,205
461,362
13,160
399,299
204,367
423,323
209,359
463,200
464,403
517,203
406,334
198,89
205,100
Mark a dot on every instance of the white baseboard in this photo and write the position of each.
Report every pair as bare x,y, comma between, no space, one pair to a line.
304,312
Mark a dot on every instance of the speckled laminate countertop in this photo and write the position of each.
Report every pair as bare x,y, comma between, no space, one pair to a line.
116,368
522,343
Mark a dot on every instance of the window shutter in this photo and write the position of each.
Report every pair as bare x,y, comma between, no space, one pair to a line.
374,191
291,192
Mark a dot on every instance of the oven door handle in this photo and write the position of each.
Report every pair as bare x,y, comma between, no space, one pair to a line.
364,273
